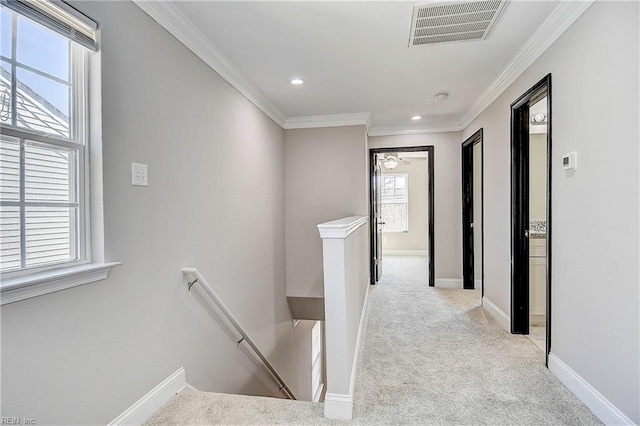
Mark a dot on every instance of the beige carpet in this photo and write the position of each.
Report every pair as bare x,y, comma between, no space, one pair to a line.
430,357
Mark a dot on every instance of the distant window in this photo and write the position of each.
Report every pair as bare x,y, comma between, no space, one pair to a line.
316,361
395,202
43,158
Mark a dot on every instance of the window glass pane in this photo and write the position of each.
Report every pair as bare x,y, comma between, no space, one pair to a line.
9,238
42,104
395,217
5,32
49,234
5,92
42,49
49,174
37,99
394,188
9,169
394,203
388,186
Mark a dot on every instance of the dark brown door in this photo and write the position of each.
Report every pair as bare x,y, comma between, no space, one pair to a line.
378,219
468,262
520,218
520,208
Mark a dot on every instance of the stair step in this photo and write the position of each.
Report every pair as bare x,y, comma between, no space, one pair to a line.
195,407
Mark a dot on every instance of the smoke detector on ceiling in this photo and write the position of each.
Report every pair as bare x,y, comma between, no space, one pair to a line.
454,21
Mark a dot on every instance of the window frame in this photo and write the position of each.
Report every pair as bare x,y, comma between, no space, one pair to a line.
77,141
86,105
406,202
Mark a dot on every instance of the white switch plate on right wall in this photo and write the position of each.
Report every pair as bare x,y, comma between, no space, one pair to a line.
570,161
139,174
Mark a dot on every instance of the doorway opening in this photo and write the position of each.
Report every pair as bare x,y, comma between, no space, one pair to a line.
531,156
472,213
402,206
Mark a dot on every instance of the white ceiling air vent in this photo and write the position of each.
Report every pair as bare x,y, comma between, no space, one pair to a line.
453,21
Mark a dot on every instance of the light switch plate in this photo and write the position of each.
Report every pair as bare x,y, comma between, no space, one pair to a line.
139,174
570,161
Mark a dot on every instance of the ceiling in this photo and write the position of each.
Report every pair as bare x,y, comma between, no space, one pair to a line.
354,59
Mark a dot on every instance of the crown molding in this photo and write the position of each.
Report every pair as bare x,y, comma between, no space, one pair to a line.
397,131
560,19
183,29
336,120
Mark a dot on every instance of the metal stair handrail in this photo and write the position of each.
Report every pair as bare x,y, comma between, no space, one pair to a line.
197,278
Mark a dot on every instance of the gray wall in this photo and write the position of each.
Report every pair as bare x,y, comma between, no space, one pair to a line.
215,201
326,178
538,176
448,196
595,316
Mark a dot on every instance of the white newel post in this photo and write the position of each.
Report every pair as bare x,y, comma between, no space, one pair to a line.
345,252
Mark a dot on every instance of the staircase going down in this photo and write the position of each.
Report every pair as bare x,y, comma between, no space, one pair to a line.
199,408
430,356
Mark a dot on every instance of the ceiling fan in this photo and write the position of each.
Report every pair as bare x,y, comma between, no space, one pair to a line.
391,161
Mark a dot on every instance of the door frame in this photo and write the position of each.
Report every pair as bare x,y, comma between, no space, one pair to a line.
520,209
467,177
430,200
376,259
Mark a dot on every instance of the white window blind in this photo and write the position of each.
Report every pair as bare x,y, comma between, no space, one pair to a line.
59,17
395,202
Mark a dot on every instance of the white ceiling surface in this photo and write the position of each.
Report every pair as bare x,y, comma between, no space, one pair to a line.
353,57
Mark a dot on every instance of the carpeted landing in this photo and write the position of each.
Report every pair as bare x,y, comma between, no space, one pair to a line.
430,356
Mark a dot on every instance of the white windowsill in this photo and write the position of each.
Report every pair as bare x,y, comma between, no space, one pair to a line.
25,287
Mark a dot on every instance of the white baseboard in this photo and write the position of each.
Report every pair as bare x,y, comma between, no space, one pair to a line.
340,406
498,314
404,253
449,282
144,408
608,413
540,319
191,388
456,283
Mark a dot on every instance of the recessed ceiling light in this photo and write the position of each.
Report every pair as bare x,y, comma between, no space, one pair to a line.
416,117
296,81
441,96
